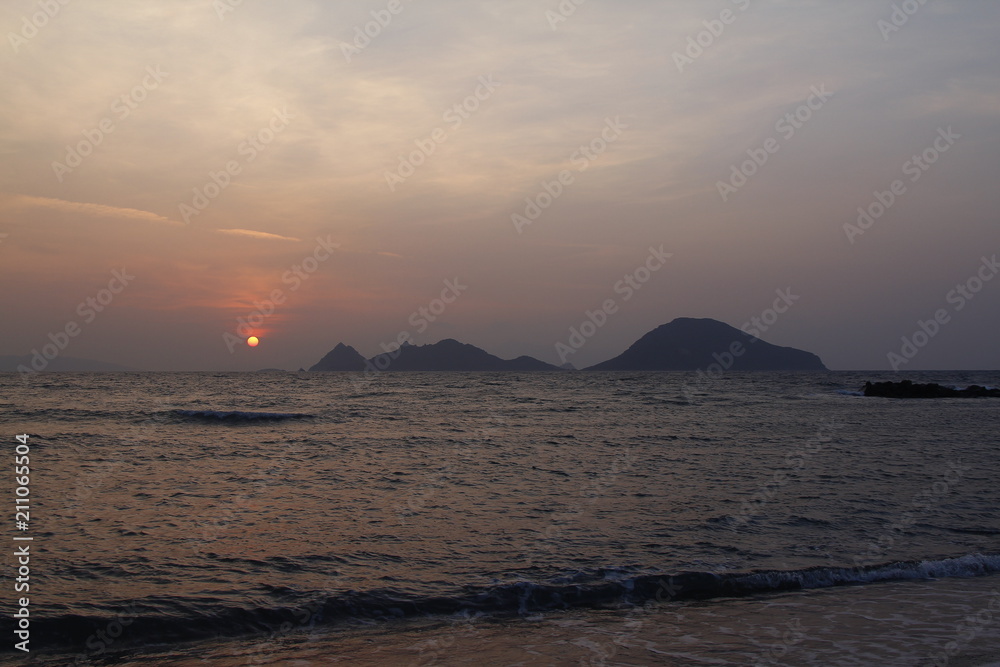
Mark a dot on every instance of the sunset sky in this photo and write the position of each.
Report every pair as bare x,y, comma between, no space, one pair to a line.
218,154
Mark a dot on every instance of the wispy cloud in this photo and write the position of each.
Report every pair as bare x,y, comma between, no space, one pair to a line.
204,138
254,234
88,209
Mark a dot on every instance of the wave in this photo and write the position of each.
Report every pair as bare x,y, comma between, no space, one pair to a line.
63,414
173,620
963,387
239,415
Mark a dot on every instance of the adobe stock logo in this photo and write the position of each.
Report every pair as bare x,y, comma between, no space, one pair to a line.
248,149
364,35
38,20
455,116
88,310
915,168
421,319
223,7
582,158
122,108
899,17
566,9
786,126
704,39
294,277
630,283
958,298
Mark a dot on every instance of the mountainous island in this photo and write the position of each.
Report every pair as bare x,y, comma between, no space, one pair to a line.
446,355
685,344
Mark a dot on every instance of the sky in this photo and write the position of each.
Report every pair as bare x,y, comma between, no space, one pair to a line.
499,173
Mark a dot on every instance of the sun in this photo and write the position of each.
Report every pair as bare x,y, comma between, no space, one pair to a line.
253,341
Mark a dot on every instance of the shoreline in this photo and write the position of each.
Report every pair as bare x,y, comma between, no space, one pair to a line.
896,623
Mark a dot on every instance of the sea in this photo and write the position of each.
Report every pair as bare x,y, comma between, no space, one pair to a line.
567,518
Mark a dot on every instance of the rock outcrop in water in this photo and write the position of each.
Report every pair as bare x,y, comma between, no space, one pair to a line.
908,389
446,355
688,344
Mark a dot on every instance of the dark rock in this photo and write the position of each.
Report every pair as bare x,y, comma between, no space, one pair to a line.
908,389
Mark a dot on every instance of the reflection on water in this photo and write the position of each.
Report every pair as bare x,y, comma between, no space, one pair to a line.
416,489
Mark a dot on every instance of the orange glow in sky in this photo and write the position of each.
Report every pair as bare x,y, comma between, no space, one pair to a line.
314,191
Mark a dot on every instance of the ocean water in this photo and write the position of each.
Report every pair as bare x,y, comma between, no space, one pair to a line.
552,518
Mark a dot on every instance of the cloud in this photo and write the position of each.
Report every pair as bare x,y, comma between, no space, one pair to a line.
85,208
206,131
257,235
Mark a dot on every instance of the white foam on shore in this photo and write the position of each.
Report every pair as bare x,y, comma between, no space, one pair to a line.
901,623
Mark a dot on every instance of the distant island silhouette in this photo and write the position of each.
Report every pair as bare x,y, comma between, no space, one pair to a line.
446,355
685,344
689,344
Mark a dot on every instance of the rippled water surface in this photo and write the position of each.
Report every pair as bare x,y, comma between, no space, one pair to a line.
196,505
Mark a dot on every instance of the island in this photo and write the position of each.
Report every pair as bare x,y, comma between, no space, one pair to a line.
690,344
685,344
445,355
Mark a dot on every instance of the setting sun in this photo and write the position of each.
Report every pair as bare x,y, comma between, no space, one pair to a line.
253,341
